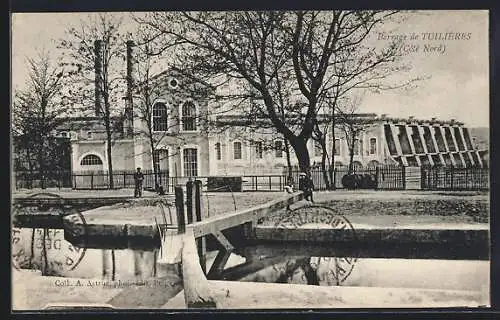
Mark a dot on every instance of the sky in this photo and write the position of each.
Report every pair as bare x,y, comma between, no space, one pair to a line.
456,84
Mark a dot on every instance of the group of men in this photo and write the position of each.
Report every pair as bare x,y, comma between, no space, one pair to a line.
305,184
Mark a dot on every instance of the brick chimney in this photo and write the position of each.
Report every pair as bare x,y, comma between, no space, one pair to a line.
98,76
129,106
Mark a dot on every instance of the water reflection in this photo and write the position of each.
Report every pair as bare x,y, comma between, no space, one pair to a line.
58,257
373,272
48,251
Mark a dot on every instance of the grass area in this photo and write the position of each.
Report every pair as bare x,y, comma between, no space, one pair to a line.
453,206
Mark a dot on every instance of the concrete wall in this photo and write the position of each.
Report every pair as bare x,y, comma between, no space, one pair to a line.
121,155
63,257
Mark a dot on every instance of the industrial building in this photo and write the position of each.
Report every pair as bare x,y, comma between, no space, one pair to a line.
186,145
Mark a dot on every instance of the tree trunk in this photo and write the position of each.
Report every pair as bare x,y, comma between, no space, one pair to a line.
332,162
288,160
41,164
30,169
324,155
351,155
299,145
153,151
108,149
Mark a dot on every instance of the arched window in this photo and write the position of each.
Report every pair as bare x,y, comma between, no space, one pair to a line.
373,164
356,165
160,116
218,151
237,150
339,164
91,160
189,116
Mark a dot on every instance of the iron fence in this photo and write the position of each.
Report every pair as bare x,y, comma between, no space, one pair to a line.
388,177
452,178
47,179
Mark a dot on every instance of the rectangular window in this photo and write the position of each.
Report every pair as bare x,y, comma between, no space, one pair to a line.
278,147
337,147
258,149
373,145
160,160
190,162
237,150
218,151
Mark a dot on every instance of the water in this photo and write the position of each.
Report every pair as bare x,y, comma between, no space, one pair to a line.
58,257
48,251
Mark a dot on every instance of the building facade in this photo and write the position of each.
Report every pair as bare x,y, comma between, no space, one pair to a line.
180,136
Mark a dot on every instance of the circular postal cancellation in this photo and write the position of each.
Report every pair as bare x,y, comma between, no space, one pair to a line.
323,227
47,249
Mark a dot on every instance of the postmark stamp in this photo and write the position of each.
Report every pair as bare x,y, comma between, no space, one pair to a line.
332,267
49,250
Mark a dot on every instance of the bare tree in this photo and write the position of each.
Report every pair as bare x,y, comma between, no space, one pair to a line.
266,49
156,121
36,112
352,125
95,50
360,66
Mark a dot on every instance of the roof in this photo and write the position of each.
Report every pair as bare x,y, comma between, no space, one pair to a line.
169,71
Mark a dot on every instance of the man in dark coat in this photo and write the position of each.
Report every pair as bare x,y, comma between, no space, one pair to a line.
138,179
306,184
309,187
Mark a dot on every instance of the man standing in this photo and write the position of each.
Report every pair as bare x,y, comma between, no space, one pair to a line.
138,178
306,184
309,187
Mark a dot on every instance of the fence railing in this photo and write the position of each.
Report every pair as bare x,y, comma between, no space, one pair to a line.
451,178
386,177
49,179
383,177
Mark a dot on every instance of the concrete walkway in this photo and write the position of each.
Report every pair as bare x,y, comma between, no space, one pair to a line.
251,295
32,291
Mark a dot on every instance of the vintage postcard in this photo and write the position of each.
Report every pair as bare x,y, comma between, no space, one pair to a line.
250,160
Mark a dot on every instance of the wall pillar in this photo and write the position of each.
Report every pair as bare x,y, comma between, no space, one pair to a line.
424,144
412,146
398,144
445,141
75,154
467,154
479,158
434,142
452,132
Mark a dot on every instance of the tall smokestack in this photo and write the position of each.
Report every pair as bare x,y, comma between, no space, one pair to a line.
129,107
98,76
